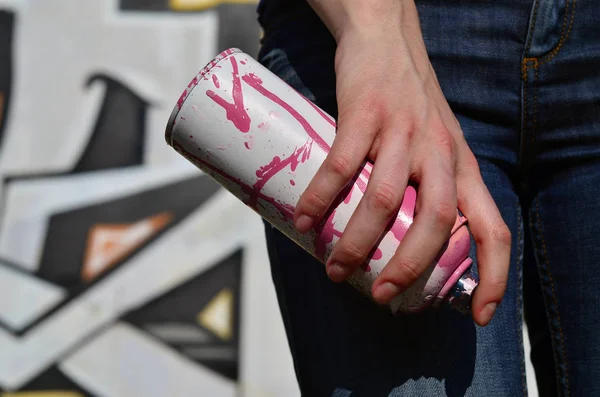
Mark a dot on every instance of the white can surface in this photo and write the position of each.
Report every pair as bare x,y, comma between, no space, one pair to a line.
263,141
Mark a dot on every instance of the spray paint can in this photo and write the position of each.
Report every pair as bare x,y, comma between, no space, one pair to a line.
263,142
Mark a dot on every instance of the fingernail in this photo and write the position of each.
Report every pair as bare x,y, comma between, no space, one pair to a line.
386,292
336,272
303,223
488,312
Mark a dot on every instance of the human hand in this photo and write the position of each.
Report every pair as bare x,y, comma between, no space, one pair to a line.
393,112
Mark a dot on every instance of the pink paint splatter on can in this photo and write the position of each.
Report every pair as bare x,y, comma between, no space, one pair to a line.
236,112
256,82
215,80
249,143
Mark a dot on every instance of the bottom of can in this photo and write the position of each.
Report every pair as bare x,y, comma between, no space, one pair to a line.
459,296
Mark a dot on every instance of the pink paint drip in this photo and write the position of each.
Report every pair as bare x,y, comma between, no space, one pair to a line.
268,171
255,82
202,74
215,80
365,172
286,209
181,99
185,93
362,185
263,125
193,83
292,182
250,142
377,254
236,113
349,195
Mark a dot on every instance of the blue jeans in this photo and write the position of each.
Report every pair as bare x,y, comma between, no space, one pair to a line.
523,78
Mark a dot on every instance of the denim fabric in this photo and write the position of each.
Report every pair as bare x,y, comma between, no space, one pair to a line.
523,78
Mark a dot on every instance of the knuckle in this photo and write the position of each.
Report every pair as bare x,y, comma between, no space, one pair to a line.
501,284
361,110
470,161
455,124
410,130
408,272
349,253
496,285
502,234
371,104
401,125
468,168
444,214
340,165
384,199
444,142
314,203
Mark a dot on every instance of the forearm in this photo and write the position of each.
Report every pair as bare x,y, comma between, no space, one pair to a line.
365,16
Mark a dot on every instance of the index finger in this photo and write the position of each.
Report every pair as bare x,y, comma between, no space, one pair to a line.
348,152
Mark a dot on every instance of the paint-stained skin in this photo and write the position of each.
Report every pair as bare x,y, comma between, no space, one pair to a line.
281,130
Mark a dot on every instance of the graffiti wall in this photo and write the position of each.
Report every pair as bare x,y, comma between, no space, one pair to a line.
124,271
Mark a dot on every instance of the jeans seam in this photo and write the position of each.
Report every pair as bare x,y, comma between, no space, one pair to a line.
567,27
536,5
565,32
520,294
551,306
529,113
535,100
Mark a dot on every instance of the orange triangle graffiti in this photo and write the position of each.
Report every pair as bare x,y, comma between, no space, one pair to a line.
107,244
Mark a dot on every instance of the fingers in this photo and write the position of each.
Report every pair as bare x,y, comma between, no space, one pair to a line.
376,209
428,233
348,152
493,240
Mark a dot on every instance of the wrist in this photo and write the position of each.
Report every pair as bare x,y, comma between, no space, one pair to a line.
360,18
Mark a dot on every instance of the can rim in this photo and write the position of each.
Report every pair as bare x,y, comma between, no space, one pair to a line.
190,87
